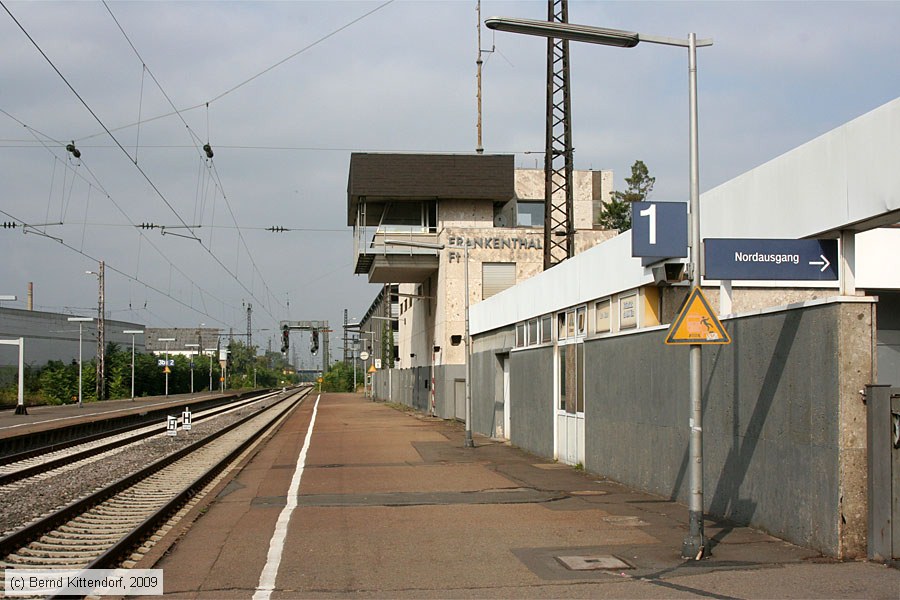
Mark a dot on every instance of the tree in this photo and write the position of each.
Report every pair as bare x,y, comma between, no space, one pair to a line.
616,214
338,378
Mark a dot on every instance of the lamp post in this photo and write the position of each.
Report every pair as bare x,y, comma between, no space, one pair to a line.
166,369
191,347
210,352
694,545
469,441
81,321
133,333
370,337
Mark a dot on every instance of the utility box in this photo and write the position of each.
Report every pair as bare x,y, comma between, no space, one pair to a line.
883,441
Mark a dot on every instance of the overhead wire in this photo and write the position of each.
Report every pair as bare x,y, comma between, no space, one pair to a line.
119,145
133,159
257,75
114,269
94,115
197,139
96,183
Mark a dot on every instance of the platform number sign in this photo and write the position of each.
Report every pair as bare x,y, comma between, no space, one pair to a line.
650,213
659,231
186,419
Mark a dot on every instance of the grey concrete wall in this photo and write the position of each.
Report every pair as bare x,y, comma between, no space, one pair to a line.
411,387
531,400
784,435
777,434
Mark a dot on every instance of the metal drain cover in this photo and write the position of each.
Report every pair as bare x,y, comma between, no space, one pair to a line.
599,562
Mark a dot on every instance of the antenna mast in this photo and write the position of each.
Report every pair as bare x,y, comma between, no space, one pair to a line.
479,148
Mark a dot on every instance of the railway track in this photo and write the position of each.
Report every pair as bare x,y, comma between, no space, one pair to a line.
103,529
34,463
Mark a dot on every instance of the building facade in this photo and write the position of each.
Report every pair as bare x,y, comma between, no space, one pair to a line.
449,231
573,366
50,336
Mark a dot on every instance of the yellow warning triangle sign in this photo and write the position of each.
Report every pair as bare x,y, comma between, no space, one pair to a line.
696,324
167,370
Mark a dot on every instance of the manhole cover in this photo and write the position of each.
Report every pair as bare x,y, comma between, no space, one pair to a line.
601,562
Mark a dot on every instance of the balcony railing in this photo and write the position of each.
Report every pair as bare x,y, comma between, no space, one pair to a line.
369,244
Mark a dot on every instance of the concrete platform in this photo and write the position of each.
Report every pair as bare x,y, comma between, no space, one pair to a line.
391,505
42,418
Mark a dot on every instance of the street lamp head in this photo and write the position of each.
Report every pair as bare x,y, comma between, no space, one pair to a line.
565,31
80,319
133,331
166,340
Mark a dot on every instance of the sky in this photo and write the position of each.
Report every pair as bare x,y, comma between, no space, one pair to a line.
283,92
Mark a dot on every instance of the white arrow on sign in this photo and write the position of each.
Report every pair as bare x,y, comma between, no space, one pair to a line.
824,262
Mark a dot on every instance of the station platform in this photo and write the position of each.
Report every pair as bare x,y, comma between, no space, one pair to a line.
351,498
42,419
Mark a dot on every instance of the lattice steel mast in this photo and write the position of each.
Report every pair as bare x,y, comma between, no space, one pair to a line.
559,232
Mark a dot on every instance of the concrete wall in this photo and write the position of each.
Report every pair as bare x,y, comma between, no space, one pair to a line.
411,387
784,426
531,400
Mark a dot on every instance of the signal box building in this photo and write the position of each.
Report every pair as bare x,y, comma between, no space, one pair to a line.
416,218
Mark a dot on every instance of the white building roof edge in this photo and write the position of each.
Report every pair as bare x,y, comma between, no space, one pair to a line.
597,272
845,176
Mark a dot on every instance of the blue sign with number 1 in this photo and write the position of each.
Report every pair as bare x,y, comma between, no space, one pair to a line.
659,230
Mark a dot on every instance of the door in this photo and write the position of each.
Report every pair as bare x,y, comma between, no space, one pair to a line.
506,407
570,403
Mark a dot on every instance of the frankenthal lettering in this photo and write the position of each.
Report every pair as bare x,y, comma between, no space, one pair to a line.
496,243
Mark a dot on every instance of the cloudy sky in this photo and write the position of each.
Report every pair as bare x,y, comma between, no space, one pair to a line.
285,91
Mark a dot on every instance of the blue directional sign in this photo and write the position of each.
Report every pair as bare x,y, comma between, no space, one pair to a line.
659,230
777,259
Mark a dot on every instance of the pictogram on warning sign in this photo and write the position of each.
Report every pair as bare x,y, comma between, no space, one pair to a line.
696,324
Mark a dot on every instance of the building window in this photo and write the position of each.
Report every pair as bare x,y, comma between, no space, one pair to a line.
546,329
602,317
530,214
572,323
562,377
532,332
520,335
496,277
414,217
628,316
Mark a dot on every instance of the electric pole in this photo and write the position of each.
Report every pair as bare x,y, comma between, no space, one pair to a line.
559,208
101,337
249,325
346,349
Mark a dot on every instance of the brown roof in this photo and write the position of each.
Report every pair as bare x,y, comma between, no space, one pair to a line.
392,177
